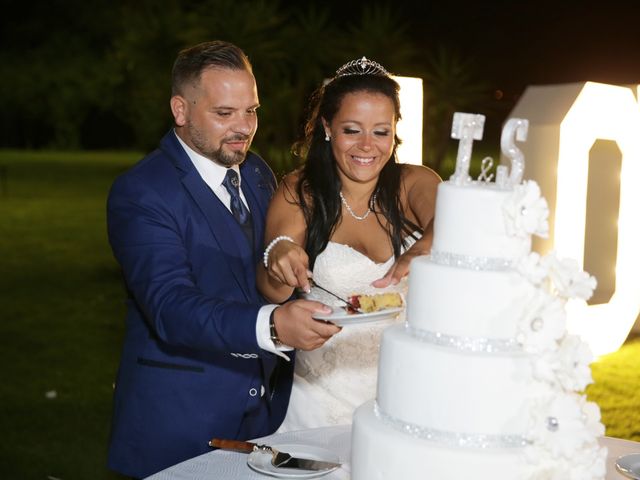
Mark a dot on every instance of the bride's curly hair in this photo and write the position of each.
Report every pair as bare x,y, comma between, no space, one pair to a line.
319,185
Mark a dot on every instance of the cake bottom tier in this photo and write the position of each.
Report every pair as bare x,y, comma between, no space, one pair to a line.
382,452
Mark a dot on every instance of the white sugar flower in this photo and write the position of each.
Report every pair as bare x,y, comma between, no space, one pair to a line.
567,277
564,424
526,211
531,268
591,415
575,357
542,323
589,463
545,467
567,367
544,367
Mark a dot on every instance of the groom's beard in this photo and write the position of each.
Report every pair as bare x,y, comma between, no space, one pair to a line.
219,155
228,159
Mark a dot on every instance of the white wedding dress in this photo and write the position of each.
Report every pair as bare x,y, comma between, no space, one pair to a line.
331,382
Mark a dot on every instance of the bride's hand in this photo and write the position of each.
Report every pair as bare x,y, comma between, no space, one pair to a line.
400,268
289,265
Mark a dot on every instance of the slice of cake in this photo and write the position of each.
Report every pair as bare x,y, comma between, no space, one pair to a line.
376,302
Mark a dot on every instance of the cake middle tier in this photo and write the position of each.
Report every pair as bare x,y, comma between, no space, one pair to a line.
471,303
442,389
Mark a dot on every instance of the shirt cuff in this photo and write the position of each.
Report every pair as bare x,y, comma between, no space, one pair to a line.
263,335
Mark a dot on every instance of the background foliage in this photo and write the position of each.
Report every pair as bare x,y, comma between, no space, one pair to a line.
96,75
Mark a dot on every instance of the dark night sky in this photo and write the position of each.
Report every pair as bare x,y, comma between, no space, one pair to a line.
515,44
567,42
519,43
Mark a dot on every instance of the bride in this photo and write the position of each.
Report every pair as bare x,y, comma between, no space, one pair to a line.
350,219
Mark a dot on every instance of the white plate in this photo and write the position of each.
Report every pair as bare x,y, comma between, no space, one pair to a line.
261,462
340,316
629,465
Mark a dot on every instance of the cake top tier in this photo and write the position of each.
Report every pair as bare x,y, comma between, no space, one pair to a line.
480,225
483,223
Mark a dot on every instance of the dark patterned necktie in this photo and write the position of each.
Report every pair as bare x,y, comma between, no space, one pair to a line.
241,213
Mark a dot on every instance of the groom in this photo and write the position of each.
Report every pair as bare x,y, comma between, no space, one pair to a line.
202,354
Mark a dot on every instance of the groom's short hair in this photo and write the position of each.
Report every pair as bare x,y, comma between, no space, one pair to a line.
192,61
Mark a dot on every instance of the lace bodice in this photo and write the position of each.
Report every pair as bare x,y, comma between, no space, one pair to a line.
345,271
330,382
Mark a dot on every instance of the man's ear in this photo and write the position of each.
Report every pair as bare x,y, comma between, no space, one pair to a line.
179,109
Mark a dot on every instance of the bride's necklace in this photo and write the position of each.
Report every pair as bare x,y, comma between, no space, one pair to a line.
358,217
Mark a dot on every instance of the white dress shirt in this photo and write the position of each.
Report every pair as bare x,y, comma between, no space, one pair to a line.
213,175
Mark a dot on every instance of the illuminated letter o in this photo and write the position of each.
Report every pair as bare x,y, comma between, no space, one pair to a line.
565,122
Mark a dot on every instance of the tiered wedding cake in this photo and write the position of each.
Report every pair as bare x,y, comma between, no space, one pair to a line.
483,380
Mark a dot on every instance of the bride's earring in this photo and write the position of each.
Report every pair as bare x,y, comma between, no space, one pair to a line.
326,136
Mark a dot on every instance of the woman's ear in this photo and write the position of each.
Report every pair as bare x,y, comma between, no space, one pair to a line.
327,130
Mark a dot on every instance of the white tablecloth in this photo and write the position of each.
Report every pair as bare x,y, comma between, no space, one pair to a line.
220,464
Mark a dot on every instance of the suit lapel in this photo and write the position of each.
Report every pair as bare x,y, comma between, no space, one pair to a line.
230,239
252,183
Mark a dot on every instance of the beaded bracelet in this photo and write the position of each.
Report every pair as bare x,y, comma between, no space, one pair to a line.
265,257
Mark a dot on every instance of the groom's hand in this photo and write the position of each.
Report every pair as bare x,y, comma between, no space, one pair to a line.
297,328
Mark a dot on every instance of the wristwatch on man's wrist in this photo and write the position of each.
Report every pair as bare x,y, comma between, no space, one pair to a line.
272,329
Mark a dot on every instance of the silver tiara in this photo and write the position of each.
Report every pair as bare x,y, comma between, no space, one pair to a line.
362,66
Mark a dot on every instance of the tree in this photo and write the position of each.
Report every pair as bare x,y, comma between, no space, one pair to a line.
111,60
139,60
54,72
382,36
451,85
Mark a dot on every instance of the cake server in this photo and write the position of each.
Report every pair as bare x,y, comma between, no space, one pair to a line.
279,459
629,465
348,303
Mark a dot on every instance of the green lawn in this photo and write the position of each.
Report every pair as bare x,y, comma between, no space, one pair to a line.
62,322
616,389
62,314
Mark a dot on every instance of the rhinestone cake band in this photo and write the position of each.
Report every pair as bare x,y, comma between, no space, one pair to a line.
470,262
465,344
452,439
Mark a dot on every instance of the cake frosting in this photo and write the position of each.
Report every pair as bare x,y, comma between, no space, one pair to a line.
483,379
484,237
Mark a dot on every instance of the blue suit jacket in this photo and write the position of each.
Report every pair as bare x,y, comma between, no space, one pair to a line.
191,368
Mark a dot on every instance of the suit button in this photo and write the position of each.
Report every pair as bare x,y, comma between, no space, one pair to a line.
262,390
253,392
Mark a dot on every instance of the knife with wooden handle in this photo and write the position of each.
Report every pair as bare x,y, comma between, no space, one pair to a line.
278,459
236,445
